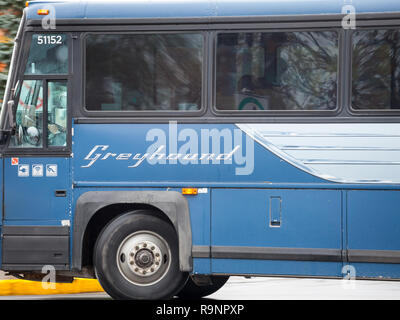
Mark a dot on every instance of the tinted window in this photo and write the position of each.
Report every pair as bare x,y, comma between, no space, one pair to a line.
57,114
376,69
48,55
29,116
277,71
144,72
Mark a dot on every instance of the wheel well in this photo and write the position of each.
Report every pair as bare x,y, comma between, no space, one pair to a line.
102,217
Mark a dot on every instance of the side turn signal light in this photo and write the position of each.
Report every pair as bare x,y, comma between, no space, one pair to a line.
189,191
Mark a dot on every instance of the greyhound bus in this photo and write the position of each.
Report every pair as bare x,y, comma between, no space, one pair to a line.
163,146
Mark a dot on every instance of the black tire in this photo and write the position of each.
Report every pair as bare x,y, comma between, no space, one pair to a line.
192,291
118,277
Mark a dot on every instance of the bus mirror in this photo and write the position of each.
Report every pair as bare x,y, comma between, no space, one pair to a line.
20,135
15,89
11,118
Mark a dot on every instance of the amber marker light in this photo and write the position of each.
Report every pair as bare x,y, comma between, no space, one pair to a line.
189,191
27,4
43,12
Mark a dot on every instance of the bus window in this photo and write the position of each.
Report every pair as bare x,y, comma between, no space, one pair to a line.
29,116
57,114
376,70
277,71
48,55
144,72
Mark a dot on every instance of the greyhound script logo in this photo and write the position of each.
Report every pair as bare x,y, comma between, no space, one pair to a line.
188,146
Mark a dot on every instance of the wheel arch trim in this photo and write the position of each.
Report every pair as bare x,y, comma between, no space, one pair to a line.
173,204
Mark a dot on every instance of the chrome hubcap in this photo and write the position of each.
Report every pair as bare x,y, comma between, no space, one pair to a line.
143,258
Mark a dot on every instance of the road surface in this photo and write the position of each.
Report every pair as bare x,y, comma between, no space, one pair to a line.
239,288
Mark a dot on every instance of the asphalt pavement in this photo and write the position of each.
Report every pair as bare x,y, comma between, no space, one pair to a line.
239,288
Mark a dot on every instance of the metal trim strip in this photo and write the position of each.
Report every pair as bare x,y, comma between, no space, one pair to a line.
297,254
35,231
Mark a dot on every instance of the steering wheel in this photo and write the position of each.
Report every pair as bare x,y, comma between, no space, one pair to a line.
29,135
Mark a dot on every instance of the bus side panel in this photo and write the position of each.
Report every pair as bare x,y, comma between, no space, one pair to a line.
36,218
126,155
248,224
276,268
374,232
31,198
199,207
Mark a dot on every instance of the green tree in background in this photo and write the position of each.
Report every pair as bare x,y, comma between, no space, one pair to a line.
10,16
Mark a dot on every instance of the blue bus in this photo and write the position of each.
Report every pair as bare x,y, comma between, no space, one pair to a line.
163,146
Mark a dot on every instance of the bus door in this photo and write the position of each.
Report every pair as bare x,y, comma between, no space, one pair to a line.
37,173
37,160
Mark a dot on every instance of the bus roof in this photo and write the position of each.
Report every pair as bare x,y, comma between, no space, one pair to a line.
139,9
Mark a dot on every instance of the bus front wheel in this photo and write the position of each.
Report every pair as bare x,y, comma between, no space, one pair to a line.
136,257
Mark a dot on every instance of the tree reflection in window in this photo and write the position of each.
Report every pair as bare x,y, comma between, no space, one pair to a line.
277,71
376,69
138,72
